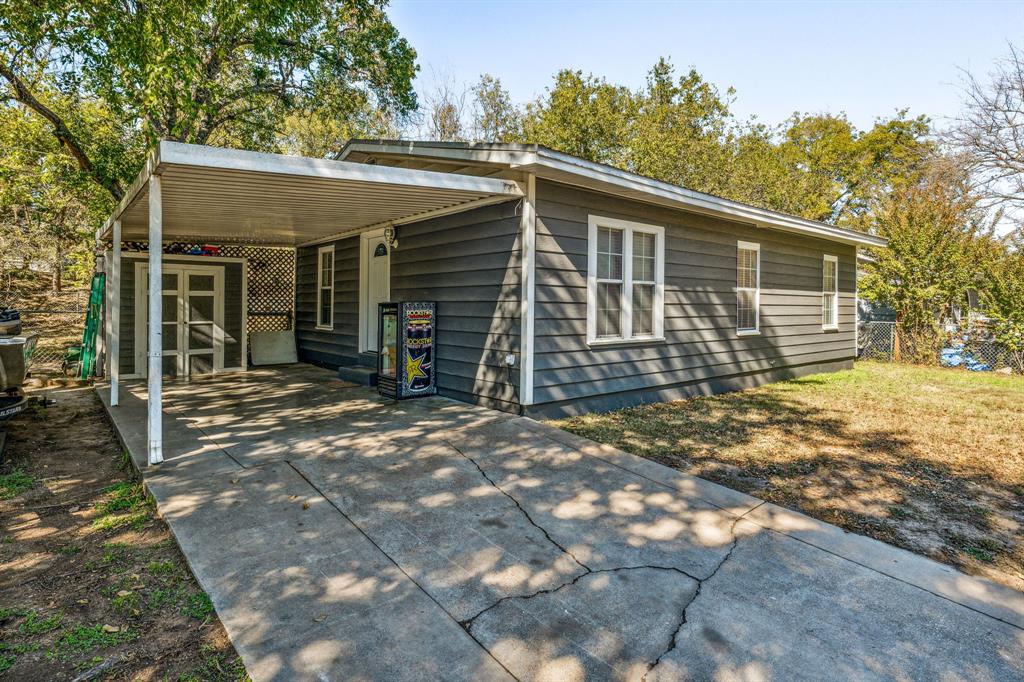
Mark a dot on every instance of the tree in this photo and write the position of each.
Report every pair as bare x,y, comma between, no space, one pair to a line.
1002,296
989,129
444,110
495,117
679,129
224,73
582,115
48,205
935,227
847,171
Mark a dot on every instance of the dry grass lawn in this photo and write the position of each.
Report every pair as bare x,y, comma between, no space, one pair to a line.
928,459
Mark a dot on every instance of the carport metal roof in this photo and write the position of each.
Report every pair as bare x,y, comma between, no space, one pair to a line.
234,196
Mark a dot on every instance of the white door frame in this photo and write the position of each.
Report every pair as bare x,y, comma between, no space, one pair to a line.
182,270
365,316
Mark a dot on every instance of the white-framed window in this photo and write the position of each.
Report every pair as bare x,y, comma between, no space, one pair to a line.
625,281
748,288
325,287
830,292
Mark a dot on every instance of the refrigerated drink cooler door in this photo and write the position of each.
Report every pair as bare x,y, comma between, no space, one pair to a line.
406,359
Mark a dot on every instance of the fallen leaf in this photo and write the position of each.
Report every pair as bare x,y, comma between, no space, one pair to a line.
321,618
305,505
111,629
123,593
83,601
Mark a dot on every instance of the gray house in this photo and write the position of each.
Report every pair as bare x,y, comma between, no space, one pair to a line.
562,285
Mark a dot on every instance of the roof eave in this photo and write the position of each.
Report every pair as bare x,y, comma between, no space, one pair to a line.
536,158
705,203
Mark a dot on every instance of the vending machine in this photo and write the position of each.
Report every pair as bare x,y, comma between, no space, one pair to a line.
406,359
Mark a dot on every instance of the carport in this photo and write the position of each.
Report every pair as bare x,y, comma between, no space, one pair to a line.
205,194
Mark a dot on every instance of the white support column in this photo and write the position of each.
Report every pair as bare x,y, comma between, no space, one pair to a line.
114,313
154,431
528,231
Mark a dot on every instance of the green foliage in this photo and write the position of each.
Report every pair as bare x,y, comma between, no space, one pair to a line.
48,205
122,496
582,115
934,227
198,606
90,637
495,117
34,624
1003,301
14,484
127,506
681,130
223,73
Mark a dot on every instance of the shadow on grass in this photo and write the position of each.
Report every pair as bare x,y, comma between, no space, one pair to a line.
772,444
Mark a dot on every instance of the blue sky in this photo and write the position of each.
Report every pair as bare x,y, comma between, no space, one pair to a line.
865,58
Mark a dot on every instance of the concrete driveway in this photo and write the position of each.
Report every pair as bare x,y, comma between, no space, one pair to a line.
342,537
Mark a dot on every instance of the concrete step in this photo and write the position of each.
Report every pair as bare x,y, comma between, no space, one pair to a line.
361,359
358,374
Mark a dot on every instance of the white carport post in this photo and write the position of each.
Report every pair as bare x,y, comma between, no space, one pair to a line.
114,347
154,432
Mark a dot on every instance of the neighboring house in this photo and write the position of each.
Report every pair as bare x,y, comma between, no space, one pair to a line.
562,285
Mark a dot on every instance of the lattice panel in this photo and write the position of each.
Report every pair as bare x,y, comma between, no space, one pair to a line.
271,280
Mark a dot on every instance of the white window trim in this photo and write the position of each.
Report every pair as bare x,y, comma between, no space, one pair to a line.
834,323
751,246
626,321
320,324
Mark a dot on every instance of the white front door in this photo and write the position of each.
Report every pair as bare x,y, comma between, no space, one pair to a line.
193,319
374,285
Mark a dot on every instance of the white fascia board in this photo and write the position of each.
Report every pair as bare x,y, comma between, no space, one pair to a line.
703,202
180,154
508,157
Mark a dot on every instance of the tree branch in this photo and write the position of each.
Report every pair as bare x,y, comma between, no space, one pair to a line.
61,132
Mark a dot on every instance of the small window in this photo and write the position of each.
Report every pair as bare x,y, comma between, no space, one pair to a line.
625,291
748,288
325,288
830,293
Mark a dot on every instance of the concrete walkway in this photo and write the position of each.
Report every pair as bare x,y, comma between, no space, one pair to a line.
343,537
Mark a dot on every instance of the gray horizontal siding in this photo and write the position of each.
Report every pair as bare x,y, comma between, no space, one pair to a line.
701,345
323,347
469,263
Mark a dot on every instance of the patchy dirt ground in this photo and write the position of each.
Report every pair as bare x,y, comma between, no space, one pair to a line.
929,459
92,583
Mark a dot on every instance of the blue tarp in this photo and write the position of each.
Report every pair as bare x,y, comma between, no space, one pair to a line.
957,356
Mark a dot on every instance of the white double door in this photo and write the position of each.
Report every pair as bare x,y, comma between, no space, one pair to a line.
193,319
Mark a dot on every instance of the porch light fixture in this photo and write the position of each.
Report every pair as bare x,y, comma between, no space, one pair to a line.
391,237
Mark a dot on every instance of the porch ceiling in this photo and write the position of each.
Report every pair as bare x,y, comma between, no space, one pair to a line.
231,196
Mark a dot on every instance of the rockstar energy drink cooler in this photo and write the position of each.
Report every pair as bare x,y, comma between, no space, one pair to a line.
407,349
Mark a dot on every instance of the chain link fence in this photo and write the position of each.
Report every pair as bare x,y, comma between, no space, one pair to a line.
58,319
970,347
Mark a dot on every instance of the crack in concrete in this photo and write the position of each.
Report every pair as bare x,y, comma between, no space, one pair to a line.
520,507
674,642
468,623
394,562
